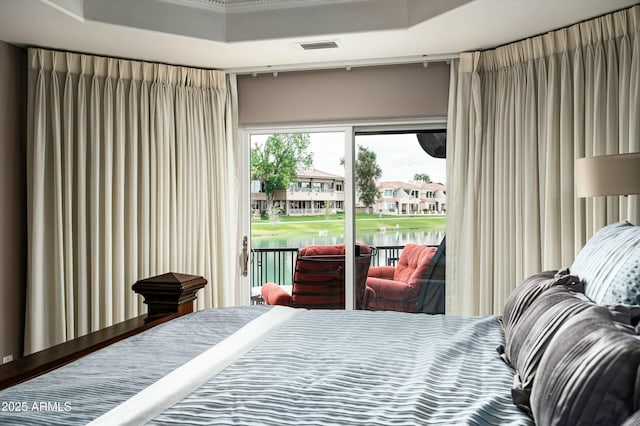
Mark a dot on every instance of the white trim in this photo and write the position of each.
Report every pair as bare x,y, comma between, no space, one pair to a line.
212,6
357,126
428,123
244,225
221,6
349,219
270,5
311,66
66,9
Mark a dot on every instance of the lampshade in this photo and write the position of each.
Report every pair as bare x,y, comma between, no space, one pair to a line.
608,175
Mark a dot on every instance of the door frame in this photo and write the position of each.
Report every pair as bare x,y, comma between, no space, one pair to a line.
350,130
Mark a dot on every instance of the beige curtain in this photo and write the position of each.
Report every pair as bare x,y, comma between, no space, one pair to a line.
519,116
130,174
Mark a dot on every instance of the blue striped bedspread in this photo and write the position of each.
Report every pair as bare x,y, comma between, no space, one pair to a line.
77,393
362,368
318,368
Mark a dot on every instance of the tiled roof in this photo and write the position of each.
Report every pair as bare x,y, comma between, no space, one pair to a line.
315,173
397,184
433,186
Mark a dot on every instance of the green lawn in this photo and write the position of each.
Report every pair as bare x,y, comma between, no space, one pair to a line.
300,225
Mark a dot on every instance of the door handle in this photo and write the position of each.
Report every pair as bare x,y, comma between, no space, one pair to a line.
245,256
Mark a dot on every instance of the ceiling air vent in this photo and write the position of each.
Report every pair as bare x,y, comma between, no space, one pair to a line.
317,45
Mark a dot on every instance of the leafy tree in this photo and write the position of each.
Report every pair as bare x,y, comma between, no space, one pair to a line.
422,177
275,163
367,171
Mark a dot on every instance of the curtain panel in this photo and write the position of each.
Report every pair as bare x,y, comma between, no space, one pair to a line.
519,116
131,173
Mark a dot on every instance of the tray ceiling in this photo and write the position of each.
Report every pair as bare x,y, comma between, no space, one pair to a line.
266,34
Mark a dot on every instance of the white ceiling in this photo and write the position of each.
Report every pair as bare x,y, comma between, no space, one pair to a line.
255,34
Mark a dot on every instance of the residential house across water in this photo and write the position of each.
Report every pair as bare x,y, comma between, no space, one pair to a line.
315,192
413,197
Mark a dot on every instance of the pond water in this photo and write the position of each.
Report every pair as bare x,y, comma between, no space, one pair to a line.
388,238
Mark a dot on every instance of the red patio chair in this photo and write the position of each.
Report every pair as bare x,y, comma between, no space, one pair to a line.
406,286
318,280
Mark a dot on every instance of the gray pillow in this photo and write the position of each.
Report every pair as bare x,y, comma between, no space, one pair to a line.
589,373
609,264
530,289
526,341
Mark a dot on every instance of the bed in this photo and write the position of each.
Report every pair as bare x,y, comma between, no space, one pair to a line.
564,351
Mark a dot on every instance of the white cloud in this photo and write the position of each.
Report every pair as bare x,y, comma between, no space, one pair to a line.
399,155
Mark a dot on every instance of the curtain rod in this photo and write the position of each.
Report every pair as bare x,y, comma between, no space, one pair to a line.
311,66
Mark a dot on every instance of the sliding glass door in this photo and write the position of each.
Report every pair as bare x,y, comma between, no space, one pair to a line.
400,206
371,197
297,200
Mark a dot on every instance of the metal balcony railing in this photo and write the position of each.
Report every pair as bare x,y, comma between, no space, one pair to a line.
276,265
